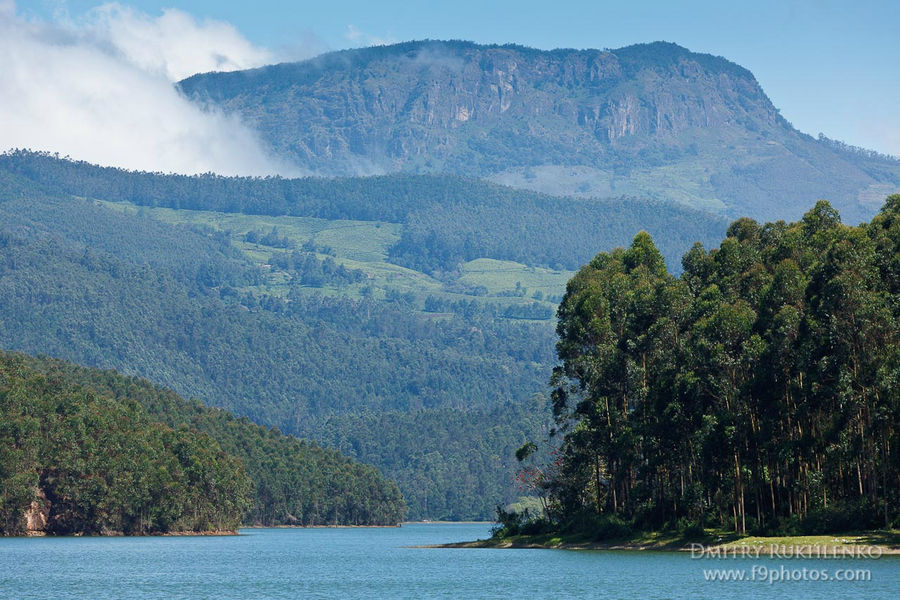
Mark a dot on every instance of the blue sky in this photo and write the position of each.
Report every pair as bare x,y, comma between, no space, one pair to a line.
831,67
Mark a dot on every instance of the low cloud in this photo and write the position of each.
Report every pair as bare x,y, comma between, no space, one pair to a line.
101,89
174,44
360,38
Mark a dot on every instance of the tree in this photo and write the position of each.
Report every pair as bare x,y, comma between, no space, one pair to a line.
758,391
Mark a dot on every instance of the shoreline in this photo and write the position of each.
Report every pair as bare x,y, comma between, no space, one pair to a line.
192,534
117,534
526,545
401,524
320,526
237,532
866,544
448,522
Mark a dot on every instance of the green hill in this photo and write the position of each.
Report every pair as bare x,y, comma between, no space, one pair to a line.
88,451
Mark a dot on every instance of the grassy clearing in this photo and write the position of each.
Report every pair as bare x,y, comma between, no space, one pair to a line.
501,275
363,246
366,241
887,539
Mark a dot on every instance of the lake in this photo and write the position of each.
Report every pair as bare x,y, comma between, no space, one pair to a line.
379,563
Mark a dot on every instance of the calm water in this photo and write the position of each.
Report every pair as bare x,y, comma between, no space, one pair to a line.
377,563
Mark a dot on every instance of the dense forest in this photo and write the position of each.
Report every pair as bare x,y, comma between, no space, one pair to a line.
294,361
111,290
106,452
467,464
86,463
757,392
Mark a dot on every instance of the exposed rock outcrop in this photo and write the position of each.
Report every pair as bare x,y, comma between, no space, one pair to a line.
37,515
653,119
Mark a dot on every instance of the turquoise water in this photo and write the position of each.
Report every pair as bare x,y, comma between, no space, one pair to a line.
378,563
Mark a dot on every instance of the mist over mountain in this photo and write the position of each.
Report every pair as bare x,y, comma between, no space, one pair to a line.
101,88
654,120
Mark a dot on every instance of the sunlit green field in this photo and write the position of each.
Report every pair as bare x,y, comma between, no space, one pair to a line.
364,246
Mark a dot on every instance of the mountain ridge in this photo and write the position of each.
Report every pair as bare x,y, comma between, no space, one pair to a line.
346,57
653,120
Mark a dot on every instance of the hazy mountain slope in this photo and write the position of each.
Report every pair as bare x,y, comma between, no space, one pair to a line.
653,120
74,284
447,219
374,359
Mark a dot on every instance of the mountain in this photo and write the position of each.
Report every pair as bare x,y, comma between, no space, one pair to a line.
651,120
386,317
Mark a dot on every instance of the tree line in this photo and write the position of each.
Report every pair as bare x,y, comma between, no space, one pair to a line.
757,392
447,219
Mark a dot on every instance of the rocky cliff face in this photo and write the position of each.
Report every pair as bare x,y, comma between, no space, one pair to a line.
393,104
37,515
653,119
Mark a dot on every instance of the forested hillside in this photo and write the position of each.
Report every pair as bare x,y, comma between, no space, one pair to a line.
274,365
448,219
292,302
290,481
181,306
758,391
651,120
467,462
90,452
73,461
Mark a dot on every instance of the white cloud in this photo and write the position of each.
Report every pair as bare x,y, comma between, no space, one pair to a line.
101,90
174,44
360,38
